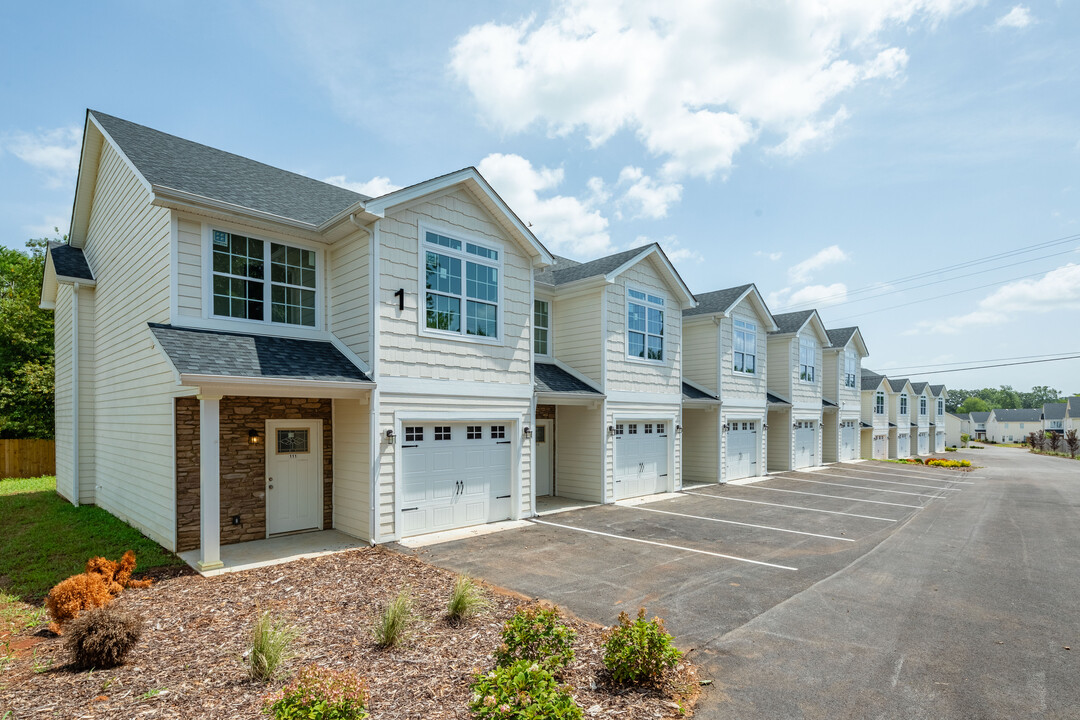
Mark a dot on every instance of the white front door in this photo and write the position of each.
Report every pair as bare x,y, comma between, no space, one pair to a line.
805,443
742,450
847,440
454,475
543,449
881,447
924,443
939,445
641,458
293,475
903,446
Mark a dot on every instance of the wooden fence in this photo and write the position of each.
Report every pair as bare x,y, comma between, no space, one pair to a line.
27,458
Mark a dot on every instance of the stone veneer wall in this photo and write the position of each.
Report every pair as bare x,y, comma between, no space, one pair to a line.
545,412
243,465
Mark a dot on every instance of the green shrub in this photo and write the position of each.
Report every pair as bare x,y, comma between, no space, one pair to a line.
639,651
271,640
393,625
102,637
523,690
319,693
537,635
466,600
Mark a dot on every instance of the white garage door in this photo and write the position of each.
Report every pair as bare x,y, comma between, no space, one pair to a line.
939,443
903,446
454,475
924,443
847,440
805,443
742,450
641,458
881,447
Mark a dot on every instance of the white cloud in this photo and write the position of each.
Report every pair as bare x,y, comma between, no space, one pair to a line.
817,296
645,197
695,85
1018,18
374,187
804,271
774,256
1056,291
567,225
674,250
51,226
54,153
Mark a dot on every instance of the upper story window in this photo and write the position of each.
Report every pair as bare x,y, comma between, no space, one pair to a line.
807,359
850,368
903,404
745,346
462,286
644,326
879,403
940,406
241,289
922,405
541,327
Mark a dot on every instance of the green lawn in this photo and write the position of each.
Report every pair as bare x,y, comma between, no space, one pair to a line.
45,539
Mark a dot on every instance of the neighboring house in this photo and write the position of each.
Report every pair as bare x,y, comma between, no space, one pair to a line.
920,418
794,379
725,344
252,352
1054,417
899,397
1005,425
842,395
1072,415
955,427
608,334
875,426
978,424
938,429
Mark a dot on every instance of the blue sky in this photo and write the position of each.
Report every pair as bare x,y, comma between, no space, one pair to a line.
823,150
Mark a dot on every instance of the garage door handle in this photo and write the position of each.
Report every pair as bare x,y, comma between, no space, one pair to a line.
408,509
501,497
503,442
405,446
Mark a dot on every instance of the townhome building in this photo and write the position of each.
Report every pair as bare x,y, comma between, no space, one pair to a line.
875,425
794,383
1072,414
899,396
920,418
248,352
1054,417
725,362
938,430
978,424
1012,425
608,347
841,435
956,426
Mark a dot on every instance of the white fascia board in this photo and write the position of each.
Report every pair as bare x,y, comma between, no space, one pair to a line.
270,386
699,404
75,281
89,156
860,343
182,200
543,398
819,327
687,299
759,305
624,396
453,388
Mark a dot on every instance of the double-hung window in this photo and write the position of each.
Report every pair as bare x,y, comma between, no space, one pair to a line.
541,327
879,403
922,405
940,407
903,404
240,287
807,359
850,364
745,346
644,326
461,286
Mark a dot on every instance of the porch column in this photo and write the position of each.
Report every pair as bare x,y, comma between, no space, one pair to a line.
209,482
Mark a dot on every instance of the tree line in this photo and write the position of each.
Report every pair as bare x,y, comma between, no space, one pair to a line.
1004,397
26,345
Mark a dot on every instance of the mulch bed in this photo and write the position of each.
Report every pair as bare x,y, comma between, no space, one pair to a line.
189,662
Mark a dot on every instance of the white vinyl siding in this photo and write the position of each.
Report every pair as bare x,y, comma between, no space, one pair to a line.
577,324
542,328
701,445
352,468
62,391
349,293
701,352
630,374
579,441
189,268
779,440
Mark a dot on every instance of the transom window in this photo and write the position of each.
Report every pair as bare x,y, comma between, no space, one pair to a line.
240,287
850,364
474,432
879,403
414,434
498,432
541,327
442,432
745,346
903,404
922,405
644,326
461,275
807,359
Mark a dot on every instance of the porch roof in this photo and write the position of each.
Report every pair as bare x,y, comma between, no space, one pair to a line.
233,356
774,399
692,393
550,378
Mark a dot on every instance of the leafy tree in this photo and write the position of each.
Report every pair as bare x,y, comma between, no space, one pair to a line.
1040,395
974,404
26,345
955,398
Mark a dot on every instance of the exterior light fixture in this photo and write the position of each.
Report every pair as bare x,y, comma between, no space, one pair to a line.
724,427
611,430
794,426
764,426
527,432
253,437
390,436
678,428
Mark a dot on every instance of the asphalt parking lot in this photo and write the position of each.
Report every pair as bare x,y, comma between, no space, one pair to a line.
858,590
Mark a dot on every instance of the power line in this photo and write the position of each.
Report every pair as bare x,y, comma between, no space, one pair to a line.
984,367
918,368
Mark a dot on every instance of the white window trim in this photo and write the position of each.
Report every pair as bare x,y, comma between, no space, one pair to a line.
626,325
550,334
814,366
850,355
903,405
232,324
879,395
735,329
424,227
924,406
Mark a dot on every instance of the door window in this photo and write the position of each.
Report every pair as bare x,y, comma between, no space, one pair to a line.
292,441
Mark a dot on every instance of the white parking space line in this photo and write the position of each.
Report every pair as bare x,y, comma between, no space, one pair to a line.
734,522
912,477
792,507
666,545
856,487
834,497
889,482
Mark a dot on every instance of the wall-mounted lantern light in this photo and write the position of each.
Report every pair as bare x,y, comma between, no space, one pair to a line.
611,430
527,432
764,426
253,437
794,426
678,428
724,427
390,436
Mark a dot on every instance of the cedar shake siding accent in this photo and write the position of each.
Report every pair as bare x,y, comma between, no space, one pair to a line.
243,466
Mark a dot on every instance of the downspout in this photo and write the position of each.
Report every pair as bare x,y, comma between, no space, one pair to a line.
75,394
375,437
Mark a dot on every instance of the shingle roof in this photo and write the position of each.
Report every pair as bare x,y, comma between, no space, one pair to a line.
1074,406
210,352
689,392
870,379
180,164
791,322
717,301
839,337
1054,411
551,378
1018,415
69,261
980,417
936,389
566,270
919,387
775,399
828,403
865,425
897,385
